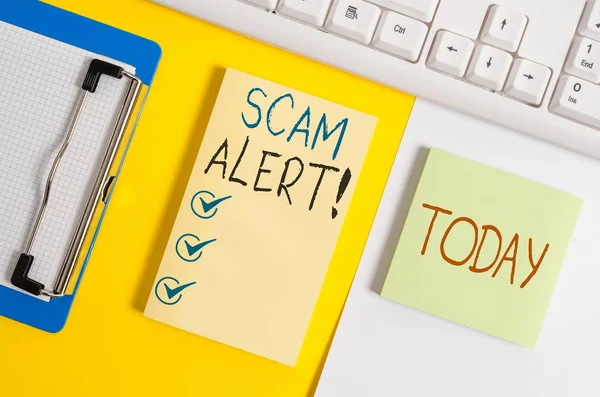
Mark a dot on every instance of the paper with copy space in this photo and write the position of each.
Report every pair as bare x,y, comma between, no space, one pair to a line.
482,247
260,217
34,121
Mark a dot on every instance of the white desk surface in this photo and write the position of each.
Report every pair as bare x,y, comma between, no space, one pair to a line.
383,348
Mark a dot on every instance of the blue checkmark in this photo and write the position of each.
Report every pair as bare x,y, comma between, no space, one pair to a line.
189,247
192,249
204,204
173,293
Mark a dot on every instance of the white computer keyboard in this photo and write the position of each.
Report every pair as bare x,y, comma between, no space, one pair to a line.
532,65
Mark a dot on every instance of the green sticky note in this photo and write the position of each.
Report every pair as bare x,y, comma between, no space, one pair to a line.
482,247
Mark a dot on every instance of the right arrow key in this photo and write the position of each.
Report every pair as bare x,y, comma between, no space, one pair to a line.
528,81
590,22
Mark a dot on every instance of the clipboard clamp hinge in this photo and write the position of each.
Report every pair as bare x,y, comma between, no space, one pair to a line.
96,70
20,277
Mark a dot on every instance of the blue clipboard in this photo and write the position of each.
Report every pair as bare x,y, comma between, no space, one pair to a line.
102,39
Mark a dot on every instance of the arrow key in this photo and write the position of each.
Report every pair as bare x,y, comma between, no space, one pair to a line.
528,81
489,67
504,28
450,53
590,22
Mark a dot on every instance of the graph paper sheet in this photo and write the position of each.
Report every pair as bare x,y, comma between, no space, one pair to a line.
40,84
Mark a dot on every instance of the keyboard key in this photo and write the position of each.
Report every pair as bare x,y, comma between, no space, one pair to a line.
577,99
504,28
528,81
269,4
590,23
450,53
420,9
355,19
489,67
400,35
310,11
584,59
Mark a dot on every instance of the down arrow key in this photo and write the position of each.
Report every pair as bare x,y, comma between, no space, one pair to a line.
489,67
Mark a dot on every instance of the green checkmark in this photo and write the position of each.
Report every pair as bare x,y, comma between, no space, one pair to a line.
208,206
171,293
192,249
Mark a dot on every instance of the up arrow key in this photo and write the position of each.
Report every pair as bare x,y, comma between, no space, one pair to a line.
503,28
452,49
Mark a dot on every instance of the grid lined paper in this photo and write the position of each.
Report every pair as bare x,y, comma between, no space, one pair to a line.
40,84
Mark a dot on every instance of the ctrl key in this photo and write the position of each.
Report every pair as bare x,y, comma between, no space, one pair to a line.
577,99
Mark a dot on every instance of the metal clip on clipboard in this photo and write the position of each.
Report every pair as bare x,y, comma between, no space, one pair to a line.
20,276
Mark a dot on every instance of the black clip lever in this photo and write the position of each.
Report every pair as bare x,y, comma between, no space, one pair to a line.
20,276
97,69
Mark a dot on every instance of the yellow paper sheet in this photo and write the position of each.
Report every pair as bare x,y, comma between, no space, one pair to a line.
260,217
